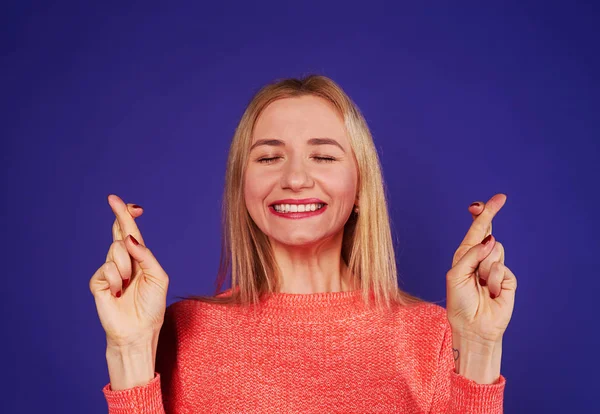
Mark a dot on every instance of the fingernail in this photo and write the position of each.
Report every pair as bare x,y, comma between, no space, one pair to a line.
493,296
136,206
487,239
126,283
119,294
134,240
482,282
474,204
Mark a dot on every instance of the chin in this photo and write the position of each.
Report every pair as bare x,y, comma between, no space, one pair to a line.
298,239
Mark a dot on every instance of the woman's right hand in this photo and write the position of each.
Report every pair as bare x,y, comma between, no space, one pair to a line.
130,288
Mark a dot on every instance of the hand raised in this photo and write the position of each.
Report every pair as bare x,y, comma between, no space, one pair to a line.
130,288
478,310
497,255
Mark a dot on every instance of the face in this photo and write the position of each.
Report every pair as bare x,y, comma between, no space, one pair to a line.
300,184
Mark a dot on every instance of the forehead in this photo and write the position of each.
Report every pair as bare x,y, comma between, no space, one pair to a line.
300,118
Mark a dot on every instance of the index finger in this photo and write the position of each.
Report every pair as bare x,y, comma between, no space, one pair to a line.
483,223
124,221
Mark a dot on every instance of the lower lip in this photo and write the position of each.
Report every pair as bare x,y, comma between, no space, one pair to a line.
298,215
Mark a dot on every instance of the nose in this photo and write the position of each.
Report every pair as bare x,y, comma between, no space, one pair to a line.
295,176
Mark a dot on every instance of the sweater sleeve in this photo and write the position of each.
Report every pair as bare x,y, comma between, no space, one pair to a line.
456,394
161,395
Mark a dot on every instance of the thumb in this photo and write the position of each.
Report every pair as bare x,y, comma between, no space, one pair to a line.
471,260
144,257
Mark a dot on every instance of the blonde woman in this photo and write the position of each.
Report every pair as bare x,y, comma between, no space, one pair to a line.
314,321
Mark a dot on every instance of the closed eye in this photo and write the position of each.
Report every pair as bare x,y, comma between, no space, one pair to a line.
267,160
270,160
324,159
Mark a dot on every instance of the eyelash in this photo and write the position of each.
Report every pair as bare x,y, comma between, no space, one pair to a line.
268,160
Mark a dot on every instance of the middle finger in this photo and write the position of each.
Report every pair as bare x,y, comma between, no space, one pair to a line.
124,223
476,209
135,211
483,222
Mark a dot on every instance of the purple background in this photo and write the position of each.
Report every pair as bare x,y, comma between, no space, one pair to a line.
464,101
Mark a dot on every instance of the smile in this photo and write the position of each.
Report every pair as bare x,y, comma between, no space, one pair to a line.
297,209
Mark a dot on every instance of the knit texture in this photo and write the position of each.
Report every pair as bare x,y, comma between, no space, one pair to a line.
306,353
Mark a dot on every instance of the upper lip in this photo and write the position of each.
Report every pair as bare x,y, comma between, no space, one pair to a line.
298,201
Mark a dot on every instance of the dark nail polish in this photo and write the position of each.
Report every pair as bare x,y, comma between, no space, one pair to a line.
482,282
134,240
474,204
493,296
136,206
487,239
119,294
126,283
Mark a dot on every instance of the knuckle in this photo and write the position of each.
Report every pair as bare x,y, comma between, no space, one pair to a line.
479,225
103,273
91,284
118,247
499,246
110,271
114,246
118,243
460,252
498,267
512,276
495,254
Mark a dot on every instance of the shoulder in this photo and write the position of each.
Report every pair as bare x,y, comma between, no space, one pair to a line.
420,332
183,312
426,311
191,314
425,320
175,319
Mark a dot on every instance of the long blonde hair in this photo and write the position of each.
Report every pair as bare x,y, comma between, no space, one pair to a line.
247,259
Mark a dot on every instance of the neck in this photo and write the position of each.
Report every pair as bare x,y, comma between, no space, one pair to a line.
314,268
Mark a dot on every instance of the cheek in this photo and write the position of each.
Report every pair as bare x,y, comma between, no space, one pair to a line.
250,194
256,188
343,184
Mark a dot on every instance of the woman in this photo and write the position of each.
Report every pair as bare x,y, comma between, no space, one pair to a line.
314,321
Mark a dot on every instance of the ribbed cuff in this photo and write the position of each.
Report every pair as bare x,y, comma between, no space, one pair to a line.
467,396
144,399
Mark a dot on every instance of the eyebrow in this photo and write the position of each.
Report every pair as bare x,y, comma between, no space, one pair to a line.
312,141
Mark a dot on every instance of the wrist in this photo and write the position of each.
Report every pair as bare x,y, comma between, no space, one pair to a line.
129,342
479,361
132,365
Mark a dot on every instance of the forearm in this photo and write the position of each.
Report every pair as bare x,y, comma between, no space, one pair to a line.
133,365
477,361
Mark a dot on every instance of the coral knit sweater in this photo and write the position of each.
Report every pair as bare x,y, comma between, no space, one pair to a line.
306,353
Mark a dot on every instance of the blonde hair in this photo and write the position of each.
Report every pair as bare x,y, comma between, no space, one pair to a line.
367,248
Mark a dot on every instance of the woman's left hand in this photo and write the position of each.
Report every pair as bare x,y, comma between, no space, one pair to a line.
480,288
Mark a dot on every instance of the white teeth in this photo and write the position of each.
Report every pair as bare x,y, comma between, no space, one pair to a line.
294,208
